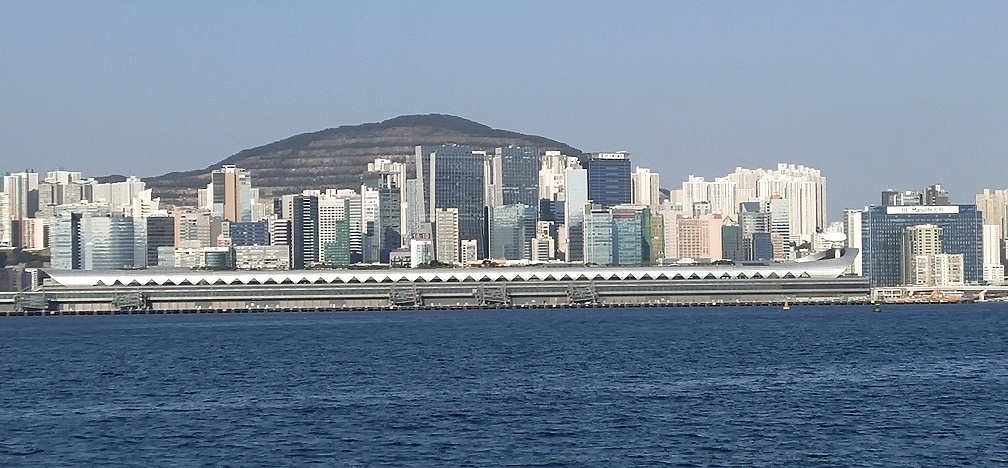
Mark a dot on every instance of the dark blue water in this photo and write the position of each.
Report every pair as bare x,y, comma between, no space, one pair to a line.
684,387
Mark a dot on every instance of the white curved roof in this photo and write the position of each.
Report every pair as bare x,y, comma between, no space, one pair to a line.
816,266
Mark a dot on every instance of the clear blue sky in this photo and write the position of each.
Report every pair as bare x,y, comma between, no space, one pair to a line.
875,94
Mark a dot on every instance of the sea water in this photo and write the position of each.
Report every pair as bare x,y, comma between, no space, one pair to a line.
829,386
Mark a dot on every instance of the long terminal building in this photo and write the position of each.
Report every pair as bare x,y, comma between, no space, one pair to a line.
818,278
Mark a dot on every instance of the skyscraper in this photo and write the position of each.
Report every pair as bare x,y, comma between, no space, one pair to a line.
598,236
882,230
446,235
644,187
160,233
93,239
512,228
304,231
231,194
609,178
576,192
780,228
382,197
518,170
341,205
627,233
458,176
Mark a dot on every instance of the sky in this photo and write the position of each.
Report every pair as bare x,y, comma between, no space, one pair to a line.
876,95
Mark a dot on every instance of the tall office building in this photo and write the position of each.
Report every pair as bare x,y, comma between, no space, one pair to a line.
160,233
627,236
731,242
653,233
92,239
304,231
609,178
598,237
280,232
882,237
780,228
248,234
382,199
336,251
512,228
517,168
230,194
458,180
446,235
754,221
576,192
414,216
390,169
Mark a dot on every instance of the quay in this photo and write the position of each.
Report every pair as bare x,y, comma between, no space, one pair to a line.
813,280
78,307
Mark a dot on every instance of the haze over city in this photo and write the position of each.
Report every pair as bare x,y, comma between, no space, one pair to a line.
875,95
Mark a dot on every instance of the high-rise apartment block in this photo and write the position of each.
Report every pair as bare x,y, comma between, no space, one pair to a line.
446,235
644,187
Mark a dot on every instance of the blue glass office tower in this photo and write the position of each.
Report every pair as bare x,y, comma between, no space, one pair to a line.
626,237
519,175
457,180
882,229
244,234
512,229
609,178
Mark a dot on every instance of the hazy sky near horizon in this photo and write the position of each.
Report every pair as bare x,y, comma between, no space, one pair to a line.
875,94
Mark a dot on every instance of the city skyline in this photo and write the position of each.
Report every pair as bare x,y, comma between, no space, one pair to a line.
875,95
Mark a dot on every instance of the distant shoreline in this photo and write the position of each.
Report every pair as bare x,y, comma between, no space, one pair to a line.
784,305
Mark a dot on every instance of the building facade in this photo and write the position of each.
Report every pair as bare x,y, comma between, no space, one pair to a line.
882,230
609,178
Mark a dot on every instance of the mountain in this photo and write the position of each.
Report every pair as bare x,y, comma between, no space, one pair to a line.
336,157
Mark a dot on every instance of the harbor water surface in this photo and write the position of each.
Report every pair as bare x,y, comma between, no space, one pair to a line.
912,385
